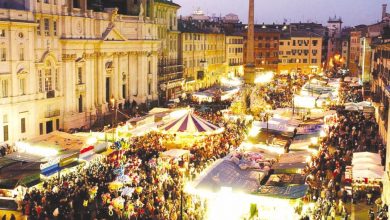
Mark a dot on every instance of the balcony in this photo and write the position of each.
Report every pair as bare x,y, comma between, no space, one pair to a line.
50,94
171,77
52,114
162,71
80,87
236,64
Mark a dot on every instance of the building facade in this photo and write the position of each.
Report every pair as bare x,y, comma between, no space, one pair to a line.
63,64
381,95
235,55
334,38
203,53
170,68
300,51
354,51
266,48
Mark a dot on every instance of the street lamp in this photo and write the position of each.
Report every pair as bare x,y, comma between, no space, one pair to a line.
112,100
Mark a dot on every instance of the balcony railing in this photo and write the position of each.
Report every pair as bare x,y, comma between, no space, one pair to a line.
52,114
50,94
171,77
169,70
235,64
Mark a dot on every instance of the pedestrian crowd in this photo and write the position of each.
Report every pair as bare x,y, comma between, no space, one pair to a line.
135,184
351,132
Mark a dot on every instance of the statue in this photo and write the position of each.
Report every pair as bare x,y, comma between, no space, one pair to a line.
114,14
141,10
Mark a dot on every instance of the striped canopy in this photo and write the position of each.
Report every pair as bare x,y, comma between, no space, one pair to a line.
189,123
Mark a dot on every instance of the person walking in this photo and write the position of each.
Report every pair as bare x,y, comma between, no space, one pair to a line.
371,214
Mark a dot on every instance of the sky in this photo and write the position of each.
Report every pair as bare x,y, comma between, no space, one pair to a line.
352,12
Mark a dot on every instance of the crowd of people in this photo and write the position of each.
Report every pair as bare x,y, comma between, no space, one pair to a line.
151,187
5,149
350,132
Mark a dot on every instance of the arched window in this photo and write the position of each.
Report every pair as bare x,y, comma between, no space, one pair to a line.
48,79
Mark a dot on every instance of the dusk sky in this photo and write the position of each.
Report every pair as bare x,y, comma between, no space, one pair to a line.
353,12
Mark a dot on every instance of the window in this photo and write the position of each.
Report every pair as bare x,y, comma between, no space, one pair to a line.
304,60
57,80
315,42
21,53
5,119
3,54
80,75
48,83
149,67
4,88
80,104
281,43
39,27
46,26
22,86
40,128
46,1
313,60
55,28
57,123
5,132
23,125
2,33
149,88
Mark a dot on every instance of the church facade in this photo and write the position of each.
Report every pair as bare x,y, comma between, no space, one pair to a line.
62,64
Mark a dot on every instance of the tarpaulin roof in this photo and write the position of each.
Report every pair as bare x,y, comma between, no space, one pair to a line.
228,174
286,192
285,180
189,123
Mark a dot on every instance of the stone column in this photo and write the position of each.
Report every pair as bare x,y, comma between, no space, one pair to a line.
114,74
142,79
120,81
133,75
99,79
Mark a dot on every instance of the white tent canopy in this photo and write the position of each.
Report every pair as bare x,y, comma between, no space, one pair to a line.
375,156
370,174
373,167
276,124
367,165
176,153
365,160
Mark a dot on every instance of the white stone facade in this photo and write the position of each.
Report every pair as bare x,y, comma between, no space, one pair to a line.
59,66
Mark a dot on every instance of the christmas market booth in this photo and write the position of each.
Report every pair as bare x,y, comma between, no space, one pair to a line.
233,186
60,151
367,170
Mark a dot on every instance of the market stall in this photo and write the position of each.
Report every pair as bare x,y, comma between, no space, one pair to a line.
367,170
59,150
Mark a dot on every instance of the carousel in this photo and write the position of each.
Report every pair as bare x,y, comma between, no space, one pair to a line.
187,130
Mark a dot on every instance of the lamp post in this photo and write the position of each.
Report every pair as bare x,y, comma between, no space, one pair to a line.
114,119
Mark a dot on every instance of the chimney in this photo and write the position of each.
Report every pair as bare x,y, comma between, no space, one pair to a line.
384,6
